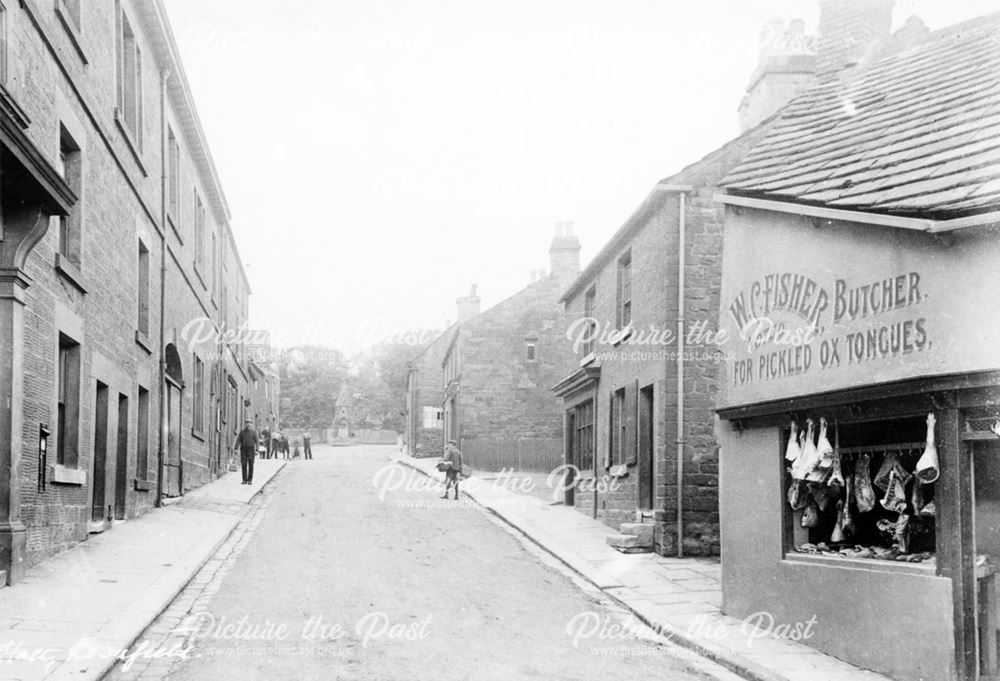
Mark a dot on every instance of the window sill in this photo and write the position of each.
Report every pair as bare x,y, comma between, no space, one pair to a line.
622,335
130,141
69,271
142,340
198,435
588,359
62,475
141,485
71,30
928,569
618,471
201,279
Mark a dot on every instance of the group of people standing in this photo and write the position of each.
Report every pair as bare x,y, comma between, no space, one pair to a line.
269,445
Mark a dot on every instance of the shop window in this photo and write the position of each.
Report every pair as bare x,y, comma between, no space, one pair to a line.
862,490
531,350
68,402
433,417
618,439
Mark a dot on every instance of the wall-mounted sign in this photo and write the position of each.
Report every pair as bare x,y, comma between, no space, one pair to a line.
807,310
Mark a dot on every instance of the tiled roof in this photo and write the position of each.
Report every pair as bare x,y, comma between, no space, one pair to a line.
917,133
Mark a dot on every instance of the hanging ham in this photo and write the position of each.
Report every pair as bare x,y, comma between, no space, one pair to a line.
864,494
824,450
928,468
792,451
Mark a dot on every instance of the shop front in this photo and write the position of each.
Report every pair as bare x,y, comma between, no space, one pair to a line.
858,426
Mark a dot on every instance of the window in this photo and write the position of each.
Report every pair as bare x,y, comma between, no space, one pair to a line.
215,267
173,178
70,9
3,43
618,429
583,437
624,308
198,408
70,166
531,349
142,436
199,234
589,302
143,290
68,402
129,80
433,417
891,512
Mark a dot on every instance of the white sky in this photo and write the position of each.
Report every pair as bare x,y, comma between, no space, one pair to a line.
380,156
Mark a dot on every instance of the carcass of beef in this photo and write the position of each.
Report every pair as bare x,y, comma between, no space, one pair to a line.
863,492
836,481
928,468
798,494
895,494
809,458
844,510
824,450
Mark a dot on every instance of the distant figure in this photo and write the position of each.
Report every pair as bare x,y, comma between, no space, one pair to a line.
307,449
246,441
284,446
452,456
275,445
265,434
295,448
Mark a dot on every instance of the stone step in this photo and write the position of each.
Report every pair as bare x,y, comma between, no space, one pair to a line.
642,530
629,543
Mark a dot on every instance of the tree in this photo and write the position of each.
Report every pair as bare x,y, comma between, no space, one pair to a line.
311,378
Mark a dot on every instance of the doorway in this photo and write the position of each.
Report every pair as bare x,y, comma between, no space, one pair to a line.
121,458
646,449
986,492
173,462
572,457
100,476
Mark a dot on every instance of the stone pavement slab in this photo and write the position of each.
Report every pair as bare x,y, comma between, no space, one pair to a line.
75,612
681,599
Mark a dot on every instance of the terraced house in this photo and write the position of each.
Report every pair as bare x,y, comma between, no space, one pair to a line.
115,248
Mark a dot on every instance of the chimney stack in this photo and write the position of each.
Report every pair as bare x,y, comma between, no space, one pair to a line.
787,67
564,253
851,33
468,306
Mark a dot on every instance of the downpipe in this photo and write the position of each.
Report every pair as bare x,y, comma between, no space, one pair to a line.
162,412
680,373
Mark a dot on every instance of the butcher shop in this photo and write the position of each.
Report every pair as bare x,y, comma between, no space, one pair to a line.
862,489
859,462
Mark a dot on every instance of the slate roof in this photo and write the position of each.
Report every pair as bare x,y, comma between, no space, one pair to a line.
917,133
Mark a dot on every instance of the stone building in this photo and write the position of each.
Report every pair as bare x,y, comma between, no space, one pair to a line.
499,367
626,421
424,414
118,271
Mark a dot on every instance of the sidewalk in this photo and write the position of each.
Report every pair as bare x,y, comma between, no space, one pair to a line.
679,598
73,613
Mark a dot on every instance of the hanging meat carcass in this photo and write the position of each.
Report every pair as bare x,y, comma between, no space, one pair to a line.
838,535
845,518
836,481
798,494
810,457
824,450
928,468
863,492
792,451
895,494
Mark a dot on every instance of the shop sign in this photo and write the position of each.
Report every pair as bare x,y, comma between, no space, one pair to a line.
810,311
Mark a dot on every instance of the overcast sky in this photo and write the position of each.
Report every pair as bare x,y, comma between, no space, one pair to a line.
379,157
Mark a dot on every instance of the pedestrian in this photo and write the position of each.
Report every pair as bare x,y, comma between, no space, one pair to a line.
265,435
275,445
295,451
262,446
307,449
246,441
452,456
284,446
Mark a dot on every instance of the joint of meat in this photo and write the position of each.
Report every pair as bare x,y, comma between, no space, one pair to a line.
864,494
793,451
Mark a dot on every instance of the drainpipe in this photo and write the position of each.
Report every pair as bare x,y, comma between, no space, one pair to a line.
680,374
161,420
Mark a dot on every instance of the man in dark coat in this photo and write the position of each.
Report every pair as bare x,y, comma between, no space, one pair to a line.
453,456
246,441
265,433
307,450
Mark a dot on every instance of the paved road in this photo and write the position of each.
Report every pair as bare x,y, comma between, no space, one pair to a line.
329,581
